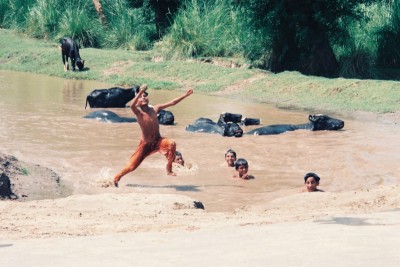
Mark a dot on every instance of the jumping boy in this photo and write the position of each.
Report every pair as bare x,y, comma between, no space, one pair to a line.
151,140
242,167
311,181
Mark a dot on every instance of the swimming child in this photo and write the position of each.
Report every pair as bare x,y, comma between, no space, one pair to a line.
179,158
242,167
311,181
230,158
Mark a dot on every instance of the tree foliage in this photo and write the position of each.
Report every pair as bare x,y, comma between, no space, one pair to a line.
164,12
302,31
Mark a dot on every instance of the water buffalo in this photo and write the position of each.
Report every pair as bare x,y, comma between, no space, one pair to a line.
108,116
70,49
230,117
317,123
165,117
208,126
250,121
237,118
115,97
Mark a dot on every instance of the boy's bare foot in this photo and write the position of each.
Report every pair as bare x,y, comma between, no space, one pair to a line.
171,173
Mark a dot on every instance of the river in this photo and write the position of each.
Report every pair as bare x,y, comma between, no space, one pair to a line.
41,122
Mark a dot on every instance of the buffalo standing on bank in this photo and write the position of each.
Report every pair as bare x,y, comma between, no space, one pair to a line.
70,49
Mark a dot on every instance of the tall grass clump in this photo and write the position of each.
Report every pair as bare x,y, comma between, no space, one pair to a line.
15,13
42,19
388,54
81,23
358,63
3,8
202,28
128,28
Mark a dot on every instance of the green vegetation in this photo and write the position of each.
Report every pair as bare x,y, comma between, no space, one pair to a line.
25,171
122,67
328,38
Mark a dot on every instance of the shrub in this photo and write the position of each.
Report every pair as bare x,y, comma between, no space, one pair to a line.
81,25
358,63
42,19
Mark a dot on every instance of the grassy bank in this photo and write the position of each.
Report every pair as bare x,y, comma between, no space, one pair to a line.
120,67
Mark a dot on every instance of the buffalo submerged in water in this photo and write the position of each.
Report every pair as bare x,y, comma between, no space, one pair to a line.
227,125
317,122
164,117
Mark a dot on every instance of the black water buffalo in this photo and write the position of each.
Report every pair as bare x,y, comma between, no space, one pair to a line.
115,97
230,117
70,49
317,123
165,117
208,126
250,121
237,118
108,116
227,125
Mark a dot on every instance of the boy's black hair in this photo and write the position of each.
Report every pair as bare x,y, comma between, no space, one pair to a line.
311,174
241,162
230,151
177,153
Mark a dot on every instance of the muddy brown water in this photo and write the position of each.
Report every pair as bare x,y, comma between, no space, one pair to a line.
41,122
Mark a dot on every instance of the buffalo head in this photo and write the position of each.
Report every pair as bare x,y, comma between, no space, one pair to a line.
232,129
323,122
229,117
81,64
165,117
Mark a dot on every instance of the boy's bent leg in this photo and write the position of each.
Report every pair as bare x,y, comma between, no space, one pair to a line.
168,148
129,168
134,162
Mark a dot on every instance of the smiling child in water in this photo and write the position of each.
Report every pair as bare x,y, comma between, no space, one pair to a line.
311,181
242,167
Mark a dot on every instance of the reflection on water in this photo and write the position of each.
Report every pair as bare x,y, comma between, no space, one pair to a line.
41,122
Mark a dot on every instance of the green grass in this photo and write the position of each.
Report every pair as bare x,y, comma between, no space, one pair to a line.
121,67
25,171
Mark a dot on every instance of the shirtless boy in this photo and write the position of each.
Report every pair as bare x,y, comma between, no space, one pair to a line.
151,140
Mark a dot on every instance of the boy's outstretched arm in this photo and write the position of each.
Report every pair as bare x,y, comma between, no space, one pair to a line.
174,101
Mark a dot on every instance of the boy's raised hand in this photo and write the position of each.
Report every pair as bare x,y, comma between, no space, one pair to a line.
189,92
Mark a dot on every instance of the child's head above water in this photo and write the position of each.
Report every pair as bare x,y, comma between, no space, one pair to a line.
241,162
242,167
311,181
230,157
179,158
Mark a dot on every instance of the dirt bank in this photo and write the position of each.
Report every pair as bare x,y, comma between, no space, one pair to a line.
29,181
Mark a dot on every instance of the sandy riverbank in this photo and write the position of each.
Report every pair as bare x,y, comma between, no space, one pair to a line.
356,228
